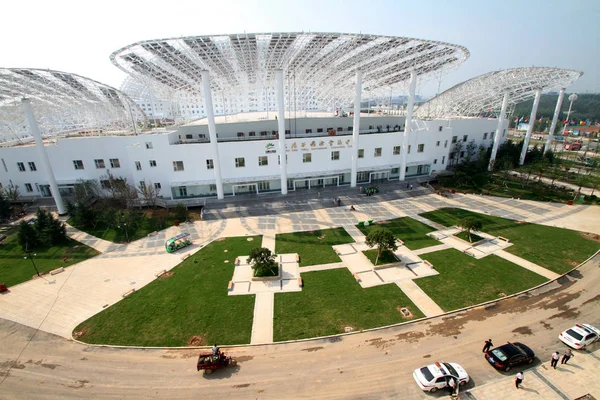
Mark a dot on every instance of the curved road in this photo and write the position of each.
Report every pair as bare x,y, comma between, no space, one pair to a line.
376,364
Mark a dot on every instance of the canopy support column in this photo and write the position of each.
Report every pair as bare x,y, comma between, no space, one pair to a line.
212,132
499,129
281,128
356,128
561,96
407,125
536,103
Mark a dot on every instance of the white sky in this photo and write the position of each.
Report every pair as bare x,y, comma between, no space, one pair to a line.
79,36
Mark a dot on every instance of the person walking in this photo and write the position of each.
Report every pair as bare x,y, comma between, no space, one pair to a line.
567,356
519,379
555,357
488,345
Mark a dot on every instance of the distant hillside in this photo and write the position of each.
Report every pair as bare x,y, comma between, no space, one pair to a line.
587,106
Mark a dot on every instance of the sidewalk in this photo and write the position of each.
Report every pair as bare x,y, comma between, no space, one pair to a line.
568,381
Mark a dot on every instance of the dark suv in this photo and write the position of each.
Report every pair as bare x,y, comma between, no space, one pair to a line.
509,355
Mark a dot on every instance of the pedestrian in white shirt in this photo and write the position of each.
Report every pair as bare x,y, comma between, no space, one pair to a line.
555,358
519,379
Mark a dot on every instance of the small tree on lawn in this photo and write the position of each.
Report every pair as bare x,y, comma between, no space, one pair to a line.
470,224
149,192
383,238
264,262
27,237
181,212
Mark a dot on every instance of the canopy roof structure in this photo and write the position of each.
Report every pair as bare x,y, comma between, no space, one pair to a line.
483,94
63,103
318,67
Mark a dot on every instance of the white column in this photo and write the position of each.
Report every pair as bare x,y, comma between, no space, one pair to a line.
561,95
408,122
532,117
281,129
356,128
499,128
212,131
39,144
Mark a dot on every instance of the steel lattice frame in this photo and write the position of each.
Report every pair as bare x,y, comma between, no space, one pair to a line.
319,67
63,102
482,95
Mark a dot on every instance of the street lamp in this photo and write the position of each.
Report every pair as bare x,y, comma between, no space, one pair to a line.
31,255
125,228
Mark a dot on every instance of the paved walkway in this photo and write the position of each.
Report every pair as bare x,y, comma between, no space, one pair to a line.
58,303
527,265
418,296
573,380
431,249
262,324
103,246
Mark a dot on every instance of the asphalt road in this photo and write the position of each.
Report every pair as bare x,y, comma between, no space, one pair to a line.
378,364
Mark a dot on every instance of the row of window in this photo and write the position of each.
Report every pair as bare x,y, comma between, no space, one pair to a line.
100,164
21,166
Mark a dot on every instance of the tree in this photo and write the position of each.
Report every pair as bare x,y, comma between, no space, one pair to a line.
181,212
85,189
27,237
469,224
118,188
12,192
263,260
148,192
383,239
49,230
5,208
471,149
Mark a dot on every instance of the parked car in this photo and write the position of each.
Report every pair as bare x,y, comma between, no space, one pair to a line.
509,355
436,376
580,336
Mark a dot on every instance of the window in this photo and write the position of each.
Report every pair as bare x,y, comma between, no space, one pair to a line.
188,136
143,185
138,166
157,185
440,128
32,166
396,150
114,163
465,137
443,159
435,161
99,163
454,138
105,184
437,144
445,144
182,191
308,131
201,136
319,130
262,161
306,157
251,133
153,163
210,164
240,162
148,145
178,166
485,136
420,148
361,153
335,155
78,164
212,187
462,154
263,133
279,159
28,187
408,149
287,132
21,166
340,129
377,152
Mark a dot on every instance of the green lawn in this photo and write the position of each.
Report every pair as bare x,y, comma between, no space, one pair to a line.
147,225
465,281
312,249
412,232
191,302
387,257
556,249
15,269
463,235
331,300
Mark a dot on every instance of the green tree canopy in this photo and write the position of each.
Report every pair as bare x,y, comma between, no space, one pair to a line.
469,224
263,261
383,239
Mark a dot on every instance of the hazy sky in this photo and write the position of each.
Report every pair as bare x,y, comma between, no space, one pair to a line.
79,36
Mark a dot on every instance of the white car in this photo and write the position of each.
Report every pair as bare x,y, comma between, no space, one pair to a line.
436,376
580,336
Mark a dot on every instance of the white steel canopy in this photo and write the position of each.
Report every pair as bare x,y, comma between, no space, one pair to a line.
318,66
63,102
483,94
